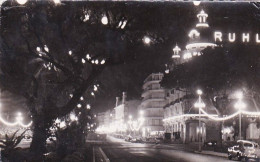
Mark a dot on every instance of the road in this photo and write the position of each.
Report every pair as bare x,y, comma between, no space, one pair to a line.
118,150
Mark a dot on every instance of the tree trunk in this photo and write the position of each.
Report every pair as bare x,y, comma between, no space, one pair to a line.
40,134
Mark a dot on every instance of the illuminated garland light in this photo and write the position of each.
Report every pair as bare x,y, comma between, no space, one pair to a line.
18,122
83,61
213,117
102,62
88,57
124,24
46,48
95,88
136,125
198,45
202,25
86,18
187,55
186,115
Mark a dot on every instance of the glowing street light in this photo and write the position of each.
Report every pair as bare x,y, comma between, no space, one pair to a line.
147,40
104,20
57,1
21,2
240,105
199,104
19,117
196,3
141,112
72,117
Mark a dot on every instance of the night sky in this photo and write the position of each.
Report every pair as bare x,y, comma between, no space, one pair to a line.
166,23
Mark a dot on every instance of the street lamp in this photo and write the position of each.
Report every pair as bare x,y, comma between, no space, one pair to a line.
199,104
240,105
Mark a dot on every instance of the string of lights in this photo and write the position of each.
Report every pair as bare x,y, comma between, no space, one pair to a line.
18,122
214,117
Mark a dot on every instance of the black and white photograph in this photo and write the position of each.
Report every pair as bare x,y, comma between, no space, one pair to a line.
129,81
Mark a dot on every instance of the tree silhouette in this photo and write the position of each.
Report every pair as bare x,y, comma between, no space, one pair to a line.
52,55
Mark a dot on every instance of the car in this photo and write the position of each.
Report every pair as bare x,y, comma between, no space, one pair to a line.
154,140
244,150
210,143
128,138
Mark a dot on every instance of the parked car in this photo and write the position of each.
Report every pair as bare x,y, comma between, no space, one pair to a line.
211,143
244,150
155,140
128,138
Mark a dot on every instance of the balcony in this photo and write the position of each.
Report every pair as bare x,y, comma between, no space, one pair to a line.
153,98
150,90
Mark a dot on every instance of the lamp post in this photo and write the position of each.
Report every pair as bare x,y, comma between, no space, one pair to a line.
240,105
199,104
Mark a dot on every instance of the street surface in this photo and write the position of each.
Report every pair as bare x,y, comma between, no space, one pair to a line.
118,150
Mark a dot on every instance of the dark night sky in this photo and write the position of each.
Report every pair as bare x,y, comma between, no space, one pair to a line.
169,22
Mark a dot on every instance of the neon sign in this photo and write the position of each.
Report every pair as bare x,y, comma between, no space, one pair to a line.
232,37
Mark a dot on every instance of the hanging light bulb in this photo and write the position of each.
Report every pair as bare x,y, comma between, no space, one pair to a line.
79,105
46,48
92,61
147,40
92,93
124,23
81,98
88,106
70,52
96,62
21,2
57,1
104,20
88,57
38,49
95,88
71,95
103,62
83,61
86,18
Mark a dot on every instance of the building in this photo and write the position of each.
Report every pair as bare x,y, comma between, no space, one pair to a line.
152,105
181,118
101,118
198,40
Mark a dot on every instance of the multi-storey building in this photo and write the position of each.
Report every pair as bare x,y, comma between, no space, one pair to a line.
152,105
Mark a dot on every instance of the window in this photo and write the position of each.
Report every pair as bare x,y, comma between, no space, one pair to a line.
248,145
156,122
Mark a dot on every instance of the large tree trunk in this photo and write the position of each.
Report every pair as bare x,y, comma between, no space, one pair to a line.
40,134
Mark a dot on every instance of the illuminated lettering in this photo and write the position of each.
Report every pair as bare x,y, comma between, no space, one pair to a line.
218,35
257,38
232,37
245,37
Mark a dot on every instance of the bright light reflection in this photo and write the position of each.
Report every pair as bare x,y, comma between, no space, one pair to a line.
21,2
104,20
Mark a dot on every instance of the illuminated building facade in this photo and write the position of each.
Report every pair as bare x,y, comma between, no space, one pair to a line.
181,118
152,105
198,39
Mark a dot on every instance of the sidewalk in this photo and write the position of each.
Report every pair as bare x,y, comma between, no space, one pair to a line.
194,147
212,153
